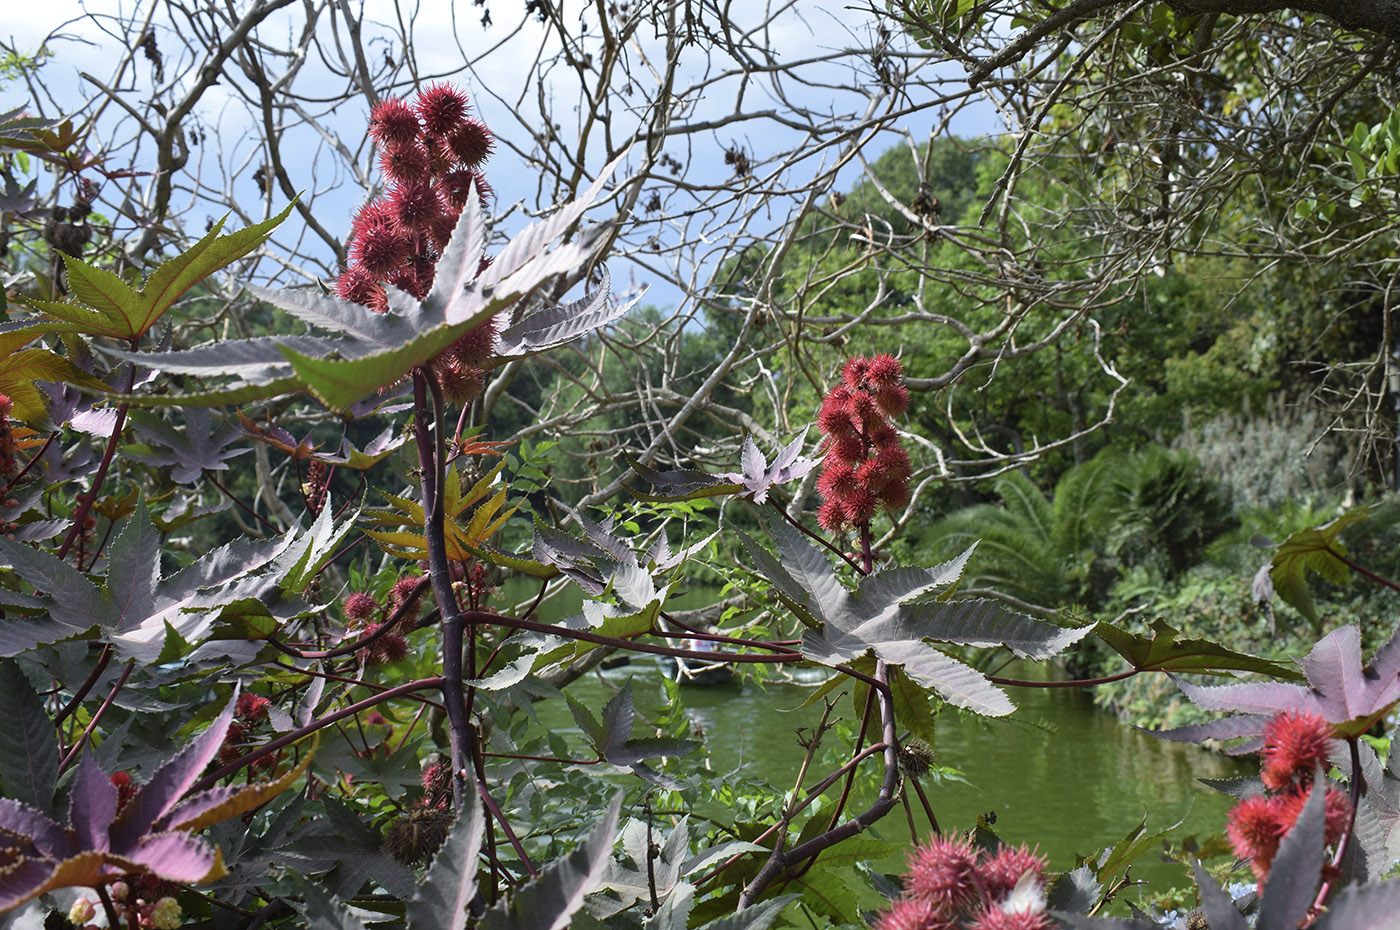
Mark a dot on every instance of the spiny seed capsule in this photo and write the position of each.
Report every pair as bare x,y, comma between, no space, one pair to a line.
416,838
915,758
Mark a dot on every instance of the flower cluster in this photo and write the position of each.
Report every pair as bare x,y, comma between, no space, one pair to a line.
359,607
1295,745
431,152
864,469
951,884
158,913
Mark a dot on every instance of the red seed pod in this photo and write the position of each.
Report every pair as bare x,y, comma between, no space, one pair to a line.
892,400
381,249
860,506
392,122
831,516
943,873
359,606
359,286
471,143
415,205
406,162
252,707
442,109
885,371
854,372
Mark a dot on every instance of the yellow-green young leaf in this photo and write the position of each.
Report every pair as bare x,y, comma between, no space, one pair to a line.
340,382
168,282
222,803
514,562
105,305
70,318
20,370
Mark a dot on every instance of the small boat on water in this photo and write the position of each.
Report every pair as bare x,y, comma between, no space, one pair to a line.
698,671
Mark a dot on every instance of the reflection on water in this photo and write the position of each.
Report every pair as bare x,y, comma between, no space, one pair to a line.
1059,773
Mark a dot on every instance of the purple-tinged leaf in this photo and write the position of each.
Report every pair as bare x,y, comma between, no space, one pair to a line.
192,452
322,910
158,796
28,747
1221,912
461,259
556,326
1362,907
30,877
986,623
92,806
549,901
1296,869
23,879
440,903
47,837
209,807
133,570
676,485
1226,728
178,857
758,478
1348,695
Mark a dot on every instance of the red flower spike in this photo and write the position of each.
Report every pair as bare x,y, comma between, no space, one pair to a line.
442,108
392,123
837,480
7,406
831,516
1295,744
854,372
849,449
1004,870
860,506
371,216
381,250
471,143
892,401
1336,811
942,872
460,383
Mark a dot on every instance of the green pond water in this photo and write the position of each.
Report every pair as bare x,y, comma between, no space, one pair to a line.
1059,773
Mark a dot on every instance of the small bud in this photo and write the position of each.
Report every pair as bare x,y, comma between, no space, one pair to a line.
118,890
82,911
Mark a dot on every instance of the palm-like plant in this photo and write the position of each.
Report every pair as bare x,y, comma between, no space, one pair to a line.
1048,552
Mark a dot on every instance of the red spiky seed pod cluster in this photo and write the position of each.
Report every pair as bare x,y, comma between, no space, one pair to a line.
431,151
864,468
951,884
1295,745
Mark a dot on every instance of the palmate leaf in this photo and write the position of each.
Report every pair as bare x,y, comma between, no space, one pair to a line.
1296,869
365,351
192,452
1345,693
461,537
148,834
1312,549
676,485
28,746
134,606
612,738
1165,652
105,305
887,616
758,477
549,901
21,370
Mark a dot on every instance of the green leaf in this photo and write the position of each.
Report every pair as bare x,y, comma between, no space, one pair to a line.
548,902
105,305
28,747
1164,652
1130,847
1315,548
